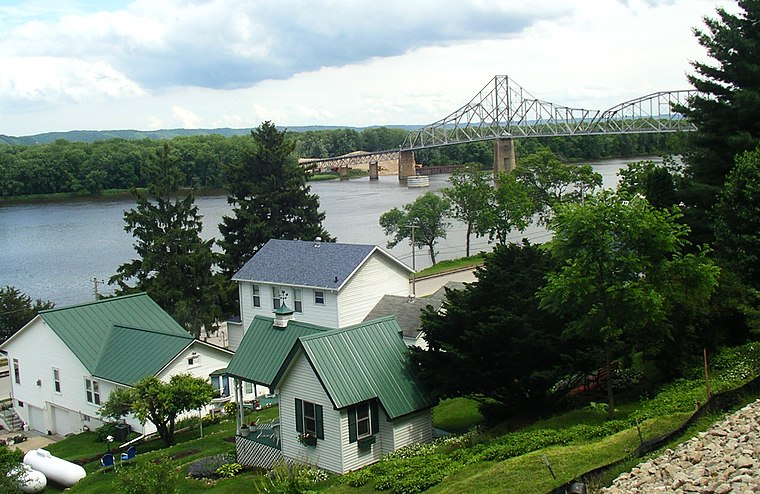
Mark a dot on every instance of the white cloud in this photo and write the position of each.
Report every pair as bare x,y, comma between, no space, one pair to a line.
186,118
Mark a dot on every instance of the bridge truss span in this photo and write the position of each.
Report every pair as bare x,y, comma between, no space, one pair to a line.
504,110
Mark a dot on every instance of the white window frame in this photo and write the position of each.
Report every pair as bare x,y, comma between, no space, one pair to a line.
297,300
16,371
193,361
310,421
319,297
276,297
363,420
57,380
256,295
92,391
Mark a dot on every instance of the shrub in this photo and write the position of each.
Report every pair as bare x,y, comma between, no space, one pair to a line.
293,479
107,429
230,408
147,478
229,470
206,468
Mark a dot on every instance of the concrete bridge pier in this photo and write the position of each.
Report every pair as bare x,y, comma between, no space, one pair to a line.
374,170
503,156
406,164
343,172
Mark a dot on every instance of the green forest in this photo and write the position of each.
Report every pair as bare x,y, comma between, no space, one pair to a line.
92,168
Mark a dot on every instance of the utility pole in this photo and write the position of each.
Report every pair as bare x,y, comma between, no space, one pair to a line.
414,264
96,282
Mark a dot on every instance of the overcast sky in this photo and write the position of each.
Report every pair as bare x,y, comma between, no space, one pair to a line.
153,64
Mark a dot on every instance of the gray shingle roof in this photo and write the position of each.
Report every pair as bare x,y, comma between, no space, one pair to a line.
311,264
408,313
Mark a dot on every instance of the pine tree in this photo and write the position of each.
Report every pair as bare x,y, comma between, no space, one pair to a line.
725,110
270,198
175,264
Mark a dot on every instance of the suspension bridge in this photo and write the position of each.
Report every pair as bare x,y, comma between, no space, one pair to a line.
503,111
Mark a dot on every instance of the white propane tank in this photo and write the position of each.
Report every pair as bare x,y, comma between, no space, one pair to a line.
30,480
56,469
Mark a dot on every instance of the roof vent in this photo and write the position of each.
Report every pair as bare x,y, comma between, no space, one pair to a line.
317,242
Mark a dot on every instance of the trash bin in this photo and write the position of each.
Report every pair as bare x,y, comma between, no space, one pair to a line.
122,432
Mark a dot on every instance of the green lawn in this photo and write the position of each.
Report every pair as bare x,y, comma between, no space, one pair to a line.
452,265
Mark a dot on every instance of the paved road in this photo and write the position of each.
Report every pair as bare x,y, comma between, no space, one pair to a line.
430,284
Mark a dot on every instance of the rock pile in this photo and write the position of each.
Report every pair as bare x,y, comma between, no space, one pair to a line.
724,459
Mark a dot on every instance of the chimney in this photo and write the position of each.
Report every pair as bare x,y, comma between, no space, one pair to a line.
317,242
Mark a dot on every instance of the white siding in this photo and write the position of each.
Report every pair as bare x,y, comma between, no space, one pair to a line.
235,332
300,382
412,429
210,360
312,313
378,276
353,457
25,347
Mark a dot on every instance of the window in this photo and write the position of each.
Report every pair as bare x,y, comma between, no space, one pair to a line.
363,427
57,380
363,421
92,388
319,297
256,296
275,297
16,371
297,302
193,360
309,419
248,387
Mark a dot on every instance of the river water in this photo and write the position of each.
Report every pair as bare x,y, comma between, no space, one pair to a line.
53,251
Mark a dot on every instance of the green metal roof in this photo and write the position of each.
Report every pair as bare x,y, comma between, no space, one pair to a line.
362,362
264,348
130,354
95,333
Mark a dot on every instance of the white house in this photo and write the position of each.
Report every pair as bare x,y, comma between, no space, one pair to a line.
65,362
346,396
325,283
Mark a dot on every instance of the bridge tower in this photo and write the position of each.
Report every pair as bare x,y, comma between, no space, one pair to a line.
406,164
503,156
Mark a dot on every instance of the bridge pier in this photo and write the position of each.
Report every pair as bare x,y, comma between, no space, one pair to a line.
343,172
406,164
503,156
374,170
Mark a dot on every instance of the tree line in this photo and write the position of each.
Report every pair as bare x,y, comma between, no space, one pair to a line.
117,164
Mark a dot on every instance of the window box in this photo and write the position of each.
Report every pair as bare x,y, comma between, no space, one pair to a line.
366,442
307,439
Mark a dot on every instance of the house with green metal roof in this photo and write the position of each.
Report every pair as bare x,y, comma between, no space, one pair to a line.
329,284
66,361
347,396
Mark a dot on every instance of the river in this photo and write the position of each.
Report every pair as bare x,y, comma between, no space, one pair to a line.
53,251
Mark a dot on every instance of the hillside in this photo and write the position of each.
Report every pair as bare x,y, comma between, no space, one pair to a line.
131,134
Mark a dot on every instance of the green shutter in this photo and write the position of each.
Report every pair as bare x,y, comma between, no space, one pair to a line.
374,417
299,415
320,426
352,425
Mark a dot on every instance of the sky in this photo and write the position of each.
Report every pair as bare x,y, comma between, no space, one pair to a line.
165,64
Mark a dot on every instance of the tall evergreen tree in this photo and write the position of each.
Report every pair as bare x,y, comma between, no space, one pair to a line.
270,198
174,265
725,110
17,309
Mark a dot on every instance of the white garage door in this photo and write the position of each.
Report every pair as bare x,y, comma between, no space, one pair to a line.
62,421
37,419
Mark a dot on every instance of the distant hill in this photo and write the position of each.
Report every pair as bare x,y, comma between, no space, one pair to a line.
99,135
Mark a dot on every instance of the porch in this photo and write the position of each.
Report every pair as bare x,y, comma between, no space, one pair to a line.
260,447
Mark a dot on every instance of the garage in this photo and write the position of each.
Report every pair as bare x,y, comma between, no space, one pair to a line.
37,419
63,421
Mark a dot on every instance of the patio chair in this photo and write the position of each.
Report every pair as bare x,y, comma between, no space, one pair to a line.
128,455
107,461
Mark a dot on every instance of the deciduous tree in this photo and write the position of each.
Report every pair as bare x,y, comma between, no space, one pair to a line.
469,197
159,402
621,264
426,217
